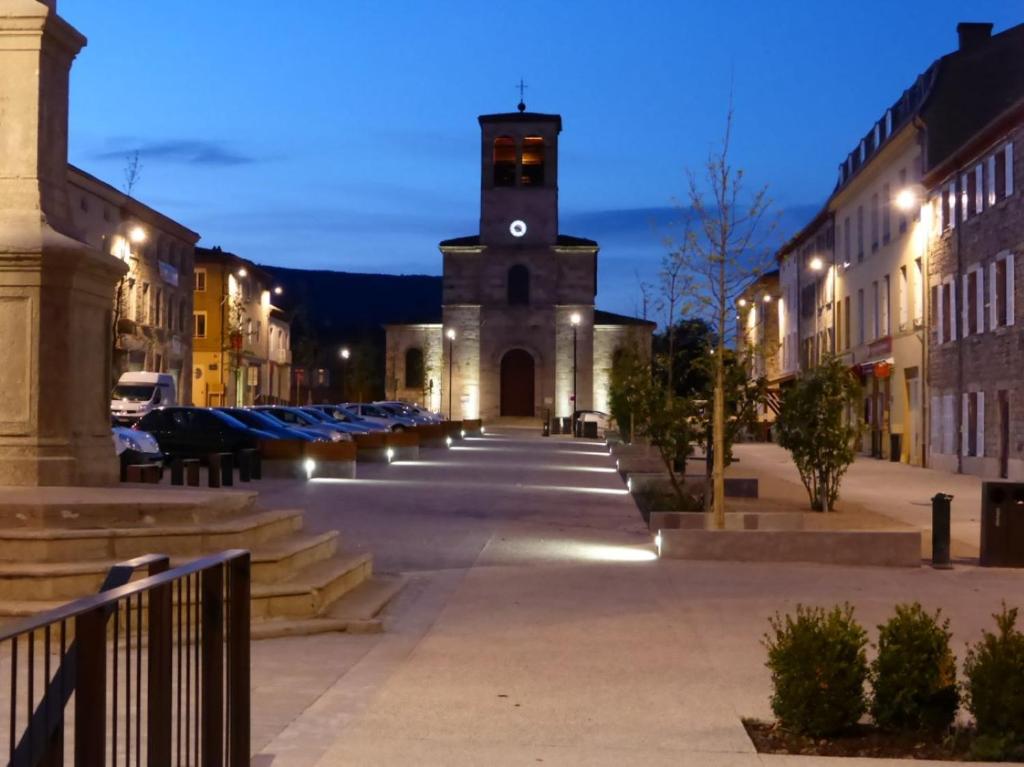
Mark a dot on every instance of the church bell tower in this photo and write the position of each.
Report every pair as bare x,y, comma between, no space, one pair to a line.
519,178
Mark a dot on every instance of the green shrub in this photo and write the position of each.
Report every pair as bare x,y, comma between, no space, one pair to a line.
994,669
914,675
818,669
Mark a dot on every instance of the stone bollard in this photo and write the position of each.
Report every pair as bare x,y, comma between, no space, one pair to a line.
191,466
940,531
177,472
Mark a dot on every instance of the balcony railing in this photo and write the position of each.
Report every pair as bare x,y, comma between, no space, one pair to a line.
157,668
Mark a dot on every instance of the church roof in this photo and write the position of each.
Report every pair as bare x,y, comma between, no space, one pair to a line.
611,318
525,117
473,241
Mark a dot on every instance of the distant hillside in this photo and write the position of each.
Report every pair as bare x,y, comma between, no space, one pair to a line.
341,303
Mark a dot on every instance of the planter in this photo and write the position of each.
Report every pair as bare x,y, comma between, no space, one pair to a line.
734,520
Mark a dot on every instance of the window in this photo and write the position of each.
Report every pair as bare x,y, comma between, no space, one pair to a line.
876,311
903,298
1000,175
199,324
886,213
973,423
918,292
533,161
839,325
158,314
504,161
948,432
414,372
1001,287
903,185
860,233
846,319
846,242
518,285
886,287
947,311
970,185
199,280
964,198
874,223
972,321
860,316
142,306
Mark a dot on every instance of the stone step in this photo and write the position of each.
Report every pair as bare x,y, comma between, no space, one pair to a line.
357,612
278,560
311,591
84,508
40,545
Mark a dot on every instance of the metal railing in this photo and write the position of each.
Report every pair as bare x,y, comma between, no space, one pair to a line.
156,671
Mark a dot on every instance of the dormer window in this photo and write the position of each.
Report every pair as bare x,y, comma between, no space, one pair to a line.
504,161
533,161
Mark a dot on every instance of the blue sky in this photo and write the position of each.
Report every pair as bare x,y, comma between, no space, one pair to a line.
341,134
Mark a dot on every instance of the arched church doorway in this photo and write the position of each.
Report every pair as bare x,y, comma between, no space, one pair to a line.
517,383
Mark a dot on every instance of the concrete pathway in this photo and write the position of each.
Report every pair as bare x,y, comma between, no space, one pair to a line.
895,490
540,628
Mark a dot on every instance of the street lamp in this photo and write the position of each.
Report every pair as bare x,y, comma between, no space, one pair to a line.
278,290
344,353
816,264
575,320
137,234
242,272
451,367
906,199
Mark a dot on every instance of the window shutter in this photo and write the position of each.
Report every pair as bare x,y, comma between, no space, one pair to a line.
980,298
953,335
965,308
993,316
1009,169
979,188
1010,293
991,185
981,423
965,397
940,314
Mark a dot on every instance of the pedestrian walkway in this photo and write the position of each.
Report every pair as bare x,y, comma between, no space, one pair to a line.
895,490
539,626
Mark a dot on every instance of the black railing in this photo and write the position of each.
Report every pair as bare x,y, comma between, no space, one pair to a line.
166,682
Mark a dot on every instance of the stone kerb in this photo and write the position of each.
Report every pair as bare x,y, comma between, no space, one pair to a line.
879,548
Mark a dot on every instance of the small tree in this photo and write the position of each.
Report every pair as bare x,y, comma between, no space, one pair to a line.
815,426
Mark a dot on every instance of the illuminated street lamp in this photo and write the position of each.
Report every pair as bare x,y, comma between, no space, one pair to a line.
451,367
767,298
242,272
906,199
575,320
742,302
278,290
344,353
816,264
137,234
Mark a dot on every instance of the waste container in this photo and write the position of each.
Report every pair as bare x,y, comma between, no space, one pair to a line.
895,447
1002,524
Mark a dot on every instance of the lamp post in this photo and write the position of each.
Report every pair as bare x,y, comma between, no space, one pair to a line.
344,354
451,368
575,320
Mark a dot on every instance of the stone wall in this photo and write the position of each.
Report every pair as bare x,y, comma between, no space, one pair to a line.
988,362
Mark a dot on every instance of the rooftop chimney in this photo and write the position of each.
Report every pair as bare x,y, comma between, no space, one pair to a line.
973,34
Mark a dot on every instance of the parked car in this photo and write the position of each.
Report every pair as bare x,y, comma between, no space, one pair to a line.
293,416
340,414
377,414
195,432
349,427
602,420
257,420
420,414
135,446
139,392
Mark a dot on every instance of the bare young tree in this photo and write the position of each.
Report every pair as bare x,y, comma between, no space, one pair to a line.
724,250
132,171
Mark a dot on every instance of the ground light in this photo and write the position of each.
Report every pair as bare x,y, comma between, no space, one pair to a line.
629,484
462,433
390,453
657,543
448,441
310,466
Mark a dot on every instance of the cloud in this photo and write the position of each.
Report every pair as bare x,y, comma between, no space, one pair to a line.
182,151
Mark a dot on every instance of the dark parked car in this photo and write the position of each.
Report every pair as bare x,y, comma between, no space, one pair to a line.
257,420
194,432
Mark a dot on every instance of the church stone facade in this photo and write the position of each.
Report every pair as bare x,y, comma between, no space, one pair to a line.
502,343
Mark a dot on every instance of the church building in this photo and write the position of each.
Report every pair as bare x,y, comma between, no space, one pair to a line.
517,333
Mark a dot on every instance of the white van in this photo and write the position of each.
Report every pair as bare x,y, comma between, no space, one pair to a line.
138,393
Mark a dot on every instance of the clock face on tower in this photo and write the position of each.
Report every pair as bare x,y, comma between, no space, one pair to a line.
517,228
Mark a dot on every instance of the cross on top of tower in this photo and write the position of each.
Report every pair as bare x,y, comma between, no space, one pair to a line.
522,95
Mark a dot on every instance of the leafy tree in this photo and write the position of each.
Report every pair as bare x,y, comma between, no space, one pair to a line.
687,348
815,426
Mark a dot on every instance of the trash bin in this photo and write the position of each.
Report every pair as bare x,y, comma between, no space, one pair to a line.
895,447
941,506
1002,524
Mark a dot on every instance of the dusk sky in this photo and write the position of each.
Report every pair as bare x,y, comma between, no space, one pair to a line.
343,135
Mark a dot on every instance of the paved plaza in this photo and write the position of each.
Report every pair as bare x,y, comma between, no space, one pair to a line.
539,627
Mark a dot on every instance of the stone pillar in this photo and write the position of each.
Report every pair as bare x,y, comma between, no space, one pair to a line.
56,293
